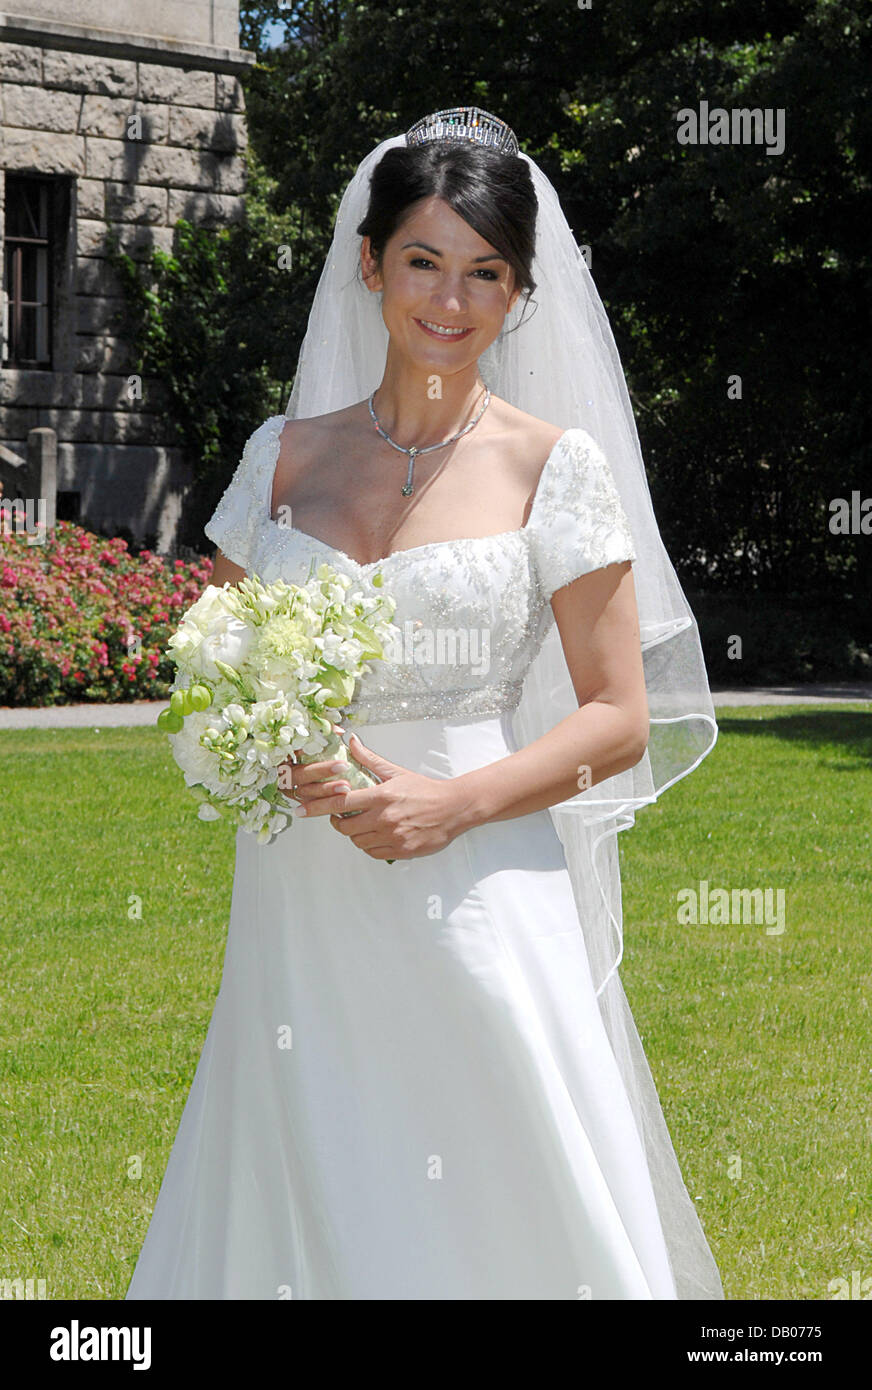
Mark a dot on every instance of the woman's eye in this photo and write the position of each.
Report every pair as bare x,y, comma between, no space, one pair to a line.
423,263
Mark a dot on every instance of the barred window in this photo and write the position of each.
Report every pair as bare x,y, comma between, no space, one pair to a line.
29,249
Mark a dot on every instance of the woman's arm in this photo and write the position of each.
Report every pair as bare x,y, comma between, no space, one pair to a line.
225,570
598,622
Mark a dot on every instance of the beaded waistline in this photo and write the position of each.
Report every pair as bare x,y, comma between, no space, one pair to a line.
436,704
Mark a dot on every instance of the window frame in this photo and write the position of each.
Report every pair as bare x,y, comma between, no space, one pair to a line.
14,303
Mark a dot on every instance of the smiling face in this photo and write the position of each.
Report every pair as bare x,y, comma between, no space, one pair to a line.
446,291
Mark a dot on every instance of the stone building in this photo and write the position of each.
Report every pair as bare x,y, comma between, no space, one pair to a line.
113,116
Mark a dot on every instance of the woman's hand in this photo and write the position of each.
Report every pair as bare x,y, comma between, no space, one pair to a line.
318,787
406,816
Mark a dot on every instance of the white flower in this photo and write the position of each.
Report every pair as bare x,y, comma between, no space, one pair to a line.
228,640
234,716
199,764
211,630
342,652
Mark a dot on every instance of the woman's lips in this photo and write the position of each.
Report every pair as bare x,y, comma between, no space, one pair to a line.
443,337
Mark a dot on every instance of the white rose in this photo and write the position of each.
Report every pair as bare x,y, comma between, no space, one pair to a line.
212,605
228,640
197,622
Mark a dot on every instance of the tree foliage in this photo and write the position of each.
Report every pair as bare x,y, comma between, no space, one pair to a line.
209,320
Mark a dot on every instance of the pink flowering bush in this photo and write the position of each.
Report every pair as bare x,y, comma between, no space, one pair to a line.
83,619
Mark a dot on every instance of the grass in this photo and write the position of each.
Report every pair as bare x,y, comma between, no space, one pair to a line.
103,1013
759,1043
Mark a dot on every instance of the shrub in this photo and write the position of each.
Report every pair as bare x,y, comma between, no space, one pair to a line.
786,638
81,618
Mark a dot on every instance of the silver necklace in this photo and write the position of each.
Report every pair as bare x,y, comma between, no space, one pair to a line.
408,486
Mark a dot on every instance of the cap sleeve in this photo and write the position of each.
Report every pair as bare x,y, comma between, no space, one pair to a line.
245,506
577,522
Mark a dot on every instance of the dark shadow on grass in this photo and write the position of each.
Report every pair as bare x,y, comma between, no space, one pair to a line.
851,730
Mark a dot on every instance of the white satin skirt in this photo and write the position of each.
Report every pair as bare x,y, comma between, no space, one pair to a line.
406,1090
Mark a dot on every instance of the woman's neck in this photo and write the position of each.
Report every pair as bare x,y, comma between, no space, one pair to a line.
418,406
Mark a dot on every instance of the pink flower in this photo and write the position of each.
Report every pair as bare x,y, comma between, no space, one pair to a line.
68,611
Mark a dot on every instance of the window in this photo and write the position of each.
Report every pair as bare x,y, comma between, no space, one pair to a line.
30,218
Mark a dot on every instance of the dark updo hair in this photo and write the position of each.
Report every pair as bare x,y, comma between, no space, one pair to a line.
491,191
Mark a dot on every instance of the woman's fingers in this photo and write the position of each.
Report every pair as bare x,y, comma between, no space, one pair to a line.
305,774
315,786
328,798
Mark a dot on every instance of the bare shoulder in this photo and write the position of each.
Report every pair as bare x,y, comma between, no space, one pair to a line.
302,441
526,441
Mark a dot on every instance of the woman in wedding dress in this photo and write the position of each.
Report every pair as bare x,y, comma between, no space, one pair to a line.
421,1079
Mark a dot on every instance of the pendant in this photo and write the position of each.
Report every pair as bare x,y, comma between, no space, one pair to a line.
408,487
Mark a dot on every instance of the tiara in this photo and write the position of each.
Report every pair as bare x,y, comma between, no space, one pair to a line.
464,123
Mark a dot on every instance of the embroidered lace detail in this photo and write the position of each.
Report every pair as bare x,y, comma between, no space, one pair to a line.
471,613
441,704
578,523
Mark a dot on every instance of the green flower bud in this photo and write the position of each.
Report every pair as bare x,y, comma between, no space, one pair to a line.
201,697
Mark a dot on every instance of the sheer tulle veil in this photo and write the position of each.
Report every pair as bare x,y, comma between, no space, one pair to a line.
561,364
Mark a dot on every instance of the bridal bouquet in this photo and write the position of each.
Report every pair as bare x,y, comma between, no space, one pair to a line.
262,672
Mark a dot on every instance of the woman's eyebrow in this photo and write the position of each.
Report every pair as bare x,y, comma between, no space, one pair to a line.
422,246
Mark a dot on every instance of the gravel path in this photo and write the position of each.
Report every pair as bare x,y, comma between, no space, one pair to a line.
93,716
98,716
827,692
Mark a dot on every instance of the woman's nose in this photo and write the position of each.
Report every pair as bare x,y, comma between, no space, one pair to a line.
451,298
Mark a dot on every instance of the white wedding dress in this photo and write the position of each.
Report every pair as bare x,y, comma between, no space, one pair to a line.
406,1090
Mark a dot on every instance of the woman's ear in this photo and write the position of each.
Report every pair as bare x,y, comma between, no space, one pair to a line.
369,266
513,297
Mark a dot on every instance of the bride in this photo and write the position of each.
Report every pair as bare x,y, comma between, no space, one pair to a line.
421,1079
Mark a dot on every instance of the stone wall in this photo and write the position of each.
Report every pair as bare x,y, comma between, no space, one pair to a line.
214,22
140,143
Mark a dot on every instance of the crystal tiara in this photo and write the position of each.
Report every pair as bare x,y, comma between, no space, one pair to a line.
464,123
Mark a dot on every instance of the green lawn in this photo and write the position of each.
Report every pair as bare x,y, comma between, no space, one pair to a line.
759,1042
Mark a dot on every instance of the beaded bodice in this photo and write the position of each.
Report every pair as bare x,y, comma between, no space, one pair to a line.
471,613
